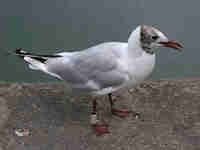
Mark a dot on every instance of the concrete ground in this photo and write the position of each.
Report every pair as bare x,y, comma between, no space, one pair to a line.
56,120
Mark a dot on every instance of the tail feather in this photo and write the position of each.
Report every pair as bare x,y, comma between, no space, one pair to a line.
33,67
36,61
42,58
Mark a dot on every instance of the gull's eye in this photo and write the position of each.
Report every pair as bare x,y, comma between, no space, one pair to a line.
155,37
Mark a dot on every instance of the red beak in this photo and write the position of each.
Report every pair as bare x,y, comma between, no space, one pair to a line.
172,44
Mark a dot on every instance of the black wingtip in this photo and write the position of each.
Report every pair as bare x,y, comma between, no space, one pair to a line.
18,51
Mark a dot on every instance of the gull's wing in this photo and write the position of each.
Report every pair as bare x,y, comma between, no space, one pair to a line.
89,70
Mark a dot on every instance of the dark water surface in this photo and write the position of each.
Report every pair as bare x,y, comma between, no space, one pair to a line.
44,25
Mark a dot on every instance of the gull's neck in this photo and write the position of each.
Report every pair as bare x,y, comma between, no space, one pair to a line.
134,46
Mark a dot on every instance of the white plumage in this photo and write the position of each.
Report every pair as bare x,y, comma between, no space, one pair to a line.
101,69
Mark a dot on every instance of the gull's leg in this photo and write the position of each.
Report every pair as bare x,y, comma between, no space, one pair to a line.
117,112
99,129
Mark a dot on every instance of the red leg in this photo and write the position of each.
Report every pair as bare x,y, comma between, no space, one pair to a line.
117,112
98,129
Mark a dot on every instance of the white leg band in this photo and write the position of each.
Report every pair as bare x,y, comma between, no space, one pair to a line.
93,119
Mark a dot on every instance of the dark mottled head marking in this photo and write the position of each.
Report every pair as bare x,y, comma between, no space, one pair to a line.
148,35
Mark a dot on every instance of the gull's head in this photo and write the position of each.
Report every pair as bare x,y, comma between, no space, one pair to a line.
151,38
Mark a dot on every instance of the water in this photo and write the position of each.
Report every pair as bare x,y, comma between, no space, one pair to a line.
43,26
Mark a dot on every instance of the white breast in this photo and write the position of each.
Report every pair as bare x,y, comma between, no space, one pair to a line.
140,68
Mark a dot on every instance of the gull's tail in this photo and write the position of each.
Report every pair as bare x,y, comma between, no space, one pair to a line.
41,58
36,61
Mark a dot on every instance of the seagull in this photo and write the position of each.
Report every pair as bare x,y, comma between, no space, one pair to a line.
104,68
